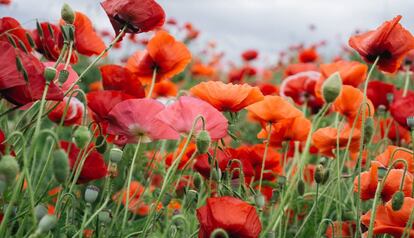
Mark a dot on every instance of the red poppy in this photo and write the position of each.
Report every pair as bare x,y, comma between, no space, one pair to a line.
10,27
139,16
390,42
102,102
136,203
2,139
269,89
222,158
181,115
394,131
94,167
227,97
14,87
199,69
300,67
164,54
325,139
249,55
345,229
73,112
386,158
389,221
236,217
165,88
308,55
115,77
5,2
135,118
191,148
377,92
402,107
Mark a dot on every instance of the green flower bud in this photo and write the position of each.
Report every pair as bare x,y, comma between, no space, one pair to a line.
101,144
319,174
332,87
115,155
47,223
197,181
9,168
91,193
40,211
61,168
49,74
203,141
260,200
217,174
63,76
369,129
191,197
105,216
397,200
67,14
82,136
30,40
301,187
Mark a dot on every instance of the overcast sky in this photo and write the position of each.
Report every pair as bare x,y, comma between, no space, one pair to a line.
267,25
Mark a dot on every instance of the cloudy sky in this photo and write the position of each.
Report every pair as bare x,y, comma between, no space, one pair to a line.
267,25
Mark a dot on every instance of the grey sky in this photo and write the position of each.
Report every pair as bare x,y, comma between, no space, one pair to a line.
267,25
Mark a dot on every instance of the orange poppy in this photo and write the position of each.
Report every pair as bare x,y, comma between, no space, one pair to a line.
352,73
402,153
227,97
325,139
390,42
272,109
199,69
296,129
165,88
348,104
388,221
164,54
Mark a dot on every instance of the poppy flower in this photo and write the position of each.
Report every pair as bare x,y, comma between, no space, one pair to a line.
386,158
73,112
227,97
344,229
300,67
308,55
222,158
249,55
136,203
94,167
181,115
138,16
134,118
102,102
390,42
264,111
402,107
164,54
12,28
236,217
349,102
13,85
191,148
370,181
388,221
325,139
199,69
2,144
377,92
394,131
165,88
301,88
115,77
5,2
269,89
296,129
352,73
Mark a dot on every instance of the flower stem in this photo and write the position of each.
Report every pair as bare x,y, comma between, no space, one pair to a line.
154,78
265,155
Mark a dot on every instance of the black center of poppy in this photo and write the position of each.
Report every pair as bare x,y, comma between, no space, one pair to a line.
123,22
385,55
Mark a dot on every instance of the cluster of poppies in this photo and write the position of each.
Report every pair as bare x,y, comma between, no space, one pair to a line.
166,143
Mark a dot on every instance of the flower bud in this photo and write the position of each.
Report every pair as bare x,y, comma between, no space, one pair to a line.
30,40
61,168
191,197
203,141
319,174
259,199
216,174
91,193
397,200
40,211
115,155
9,168
63,76
197,181
47,223
81,136
332,87
301,187
49,74
105,216
369,129
67,14
410,122
100,144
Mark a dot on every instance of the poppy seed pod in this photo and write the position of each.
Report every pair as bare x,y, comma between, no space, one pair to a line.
67,14
260,200
91,193
81,136
115,155
301,187
60,165
105,216
47,223
332,87
9,168
49,74
410,122
40,211
369,129
397,200
203,141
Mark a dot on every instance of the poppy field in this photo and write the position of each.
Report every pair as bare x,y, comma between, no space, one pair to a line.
168,142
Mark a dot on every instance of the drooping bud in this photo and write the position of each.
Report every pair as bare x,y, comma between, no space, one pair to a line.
301,187
397,200
61,168
197,181
101,144
91,193
47,223
49,74
9,168
82,136
369,129
191,197
410,122
40,211
105,216
259,199
67,14
332,87
115,155
203,141
319,174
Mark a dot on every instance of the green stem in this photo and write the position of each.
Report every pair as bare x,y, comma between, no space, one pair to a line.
265,155
407,81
